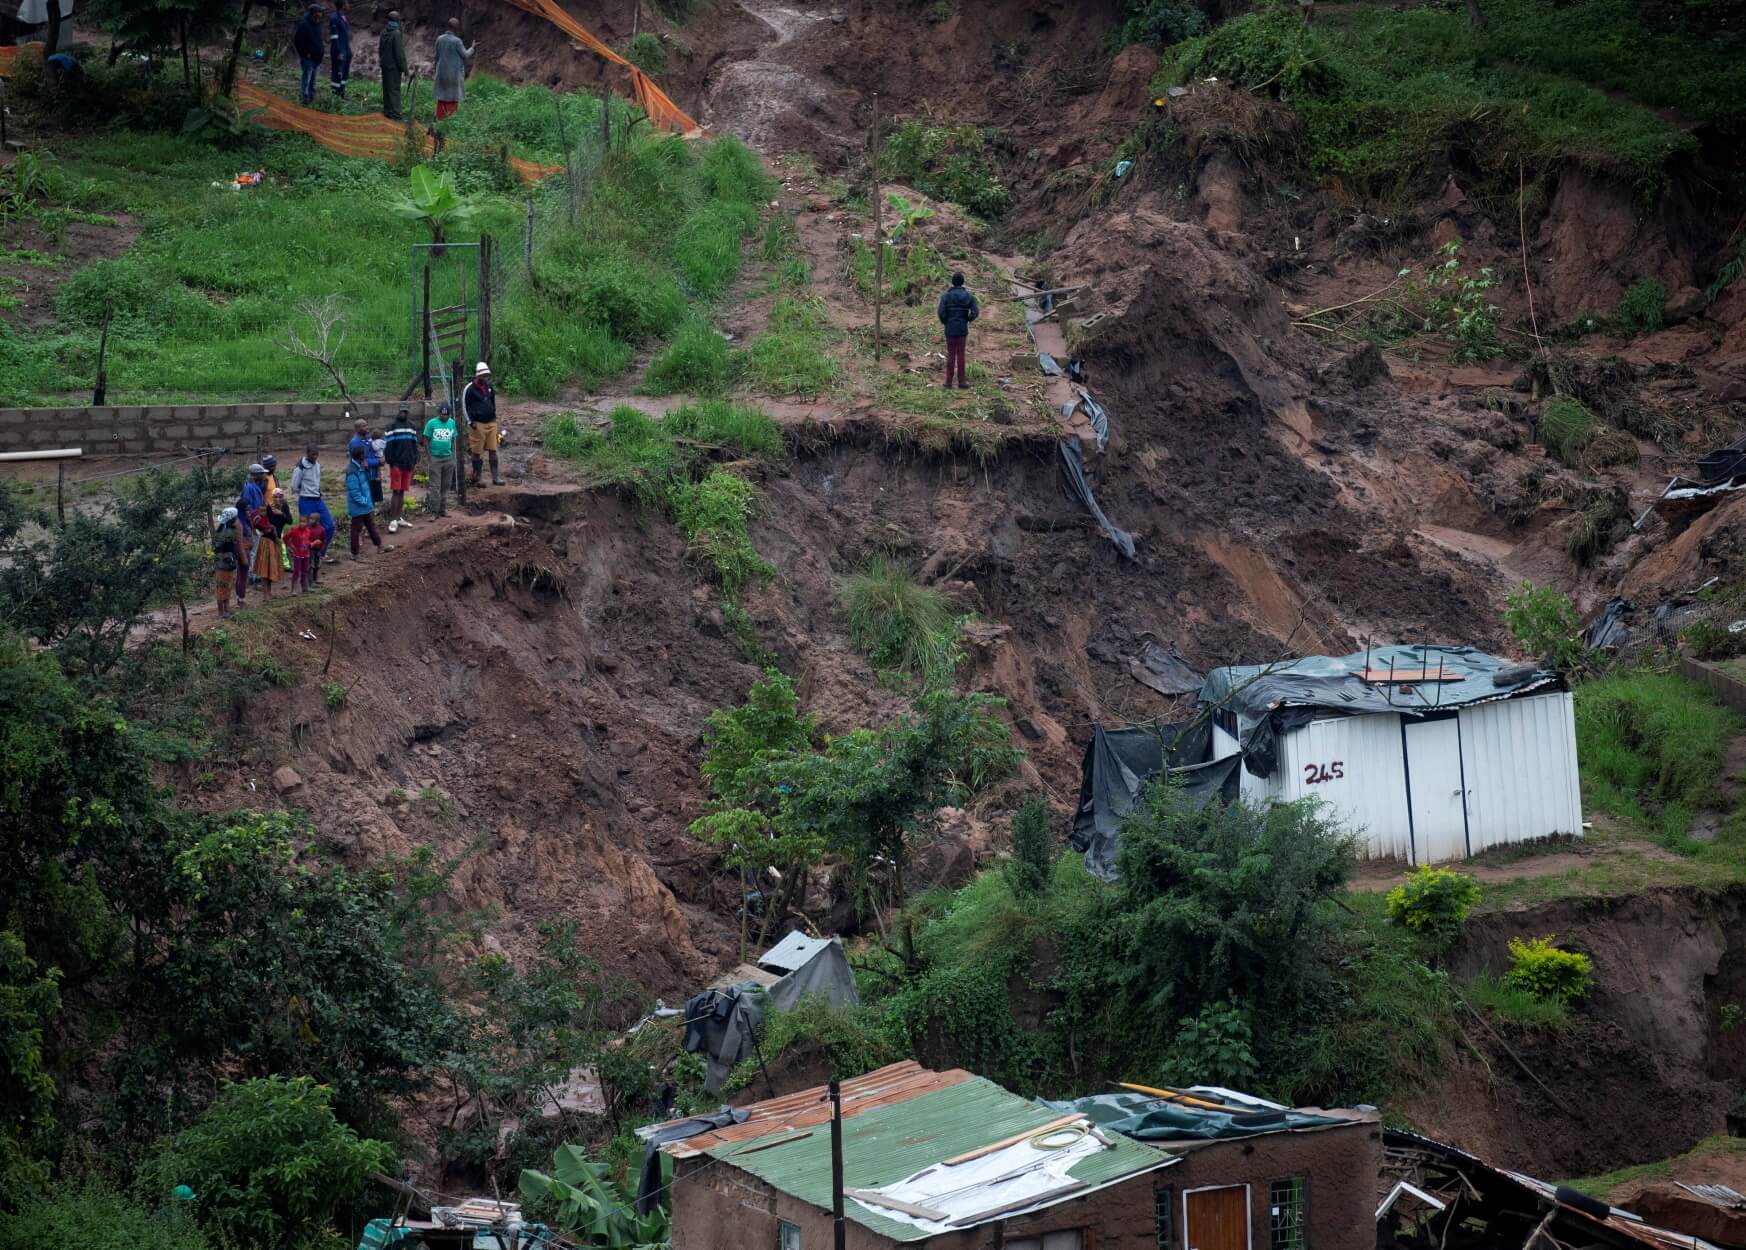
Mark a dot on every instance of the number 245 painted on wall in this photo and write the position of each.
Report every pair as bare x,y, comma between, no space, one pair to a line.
1316,774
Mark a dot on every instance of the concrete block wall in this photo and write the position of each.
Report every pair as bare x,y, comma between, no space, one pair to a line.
171,429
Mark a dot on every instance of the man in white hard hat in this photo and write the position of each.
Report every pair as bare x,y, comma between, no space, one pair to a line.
481,405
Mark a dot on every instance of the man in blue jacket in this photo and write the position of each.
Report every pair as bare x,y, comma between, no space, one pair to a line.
957,310
340,36
310,47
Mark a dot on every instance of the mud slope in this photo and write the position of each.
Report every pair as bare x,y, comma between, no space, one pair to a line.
1647,1067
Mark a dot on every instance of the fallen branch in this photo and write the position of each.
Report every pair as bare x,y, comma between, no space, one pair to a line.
327,335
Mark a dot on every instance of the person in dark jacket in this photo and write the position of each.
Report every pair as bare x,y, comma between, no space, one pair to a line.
957,310
400,450
340,36
481,405
391,52
310,48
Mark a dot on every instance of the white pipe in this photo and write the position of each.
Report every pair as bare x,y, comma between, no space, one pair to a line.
60,453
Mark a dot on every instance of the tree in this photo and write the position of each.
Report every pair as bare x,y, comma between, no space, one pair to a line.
327,334
83,589
270,1163
1223,902
29,998
436,201
153,27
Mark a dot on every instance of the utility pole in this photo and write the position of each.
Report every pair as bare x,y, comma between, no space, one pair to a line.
839,1230
878,243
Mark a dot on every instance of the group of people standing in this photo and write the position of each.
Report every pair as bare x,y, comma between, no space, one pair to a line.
313,45
257,543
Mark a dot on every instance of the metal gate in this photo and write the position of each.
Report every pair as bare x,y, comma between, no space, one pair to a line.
450,317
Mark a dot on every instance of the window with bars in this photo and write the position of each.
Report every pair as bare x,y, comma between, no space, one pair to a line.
1164,1214
787,1235
1287,1228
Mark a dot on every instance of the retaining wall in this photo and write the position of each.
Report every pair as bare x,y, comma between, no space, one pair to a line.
1726,683
278,427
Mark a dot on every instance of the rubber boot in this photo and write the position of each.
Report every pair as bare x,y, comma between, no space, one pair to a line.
496,477
478,465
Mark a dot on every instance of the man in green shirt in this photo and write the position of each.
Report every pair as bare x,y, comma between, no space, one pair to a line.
439,440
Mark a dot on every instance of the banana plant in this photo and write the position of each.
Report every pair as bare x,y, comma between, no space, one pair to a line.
436,201
590,1209
908,215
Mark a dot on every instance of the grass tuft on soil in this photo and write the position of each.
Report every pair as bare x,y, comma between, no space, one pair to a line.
900,624
789,358
1380,91
1609,1183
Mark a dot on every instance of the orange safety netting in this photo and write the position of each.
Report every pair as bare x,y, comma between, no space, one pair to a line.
9,56
361,134
653,101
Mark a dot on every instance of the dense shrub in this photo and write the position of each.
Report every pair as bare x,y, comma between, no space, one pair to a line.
268,1161
948,163
93,1217
1434,901
1159,23
1032,862
610,286
712,514
1547,971
1544,621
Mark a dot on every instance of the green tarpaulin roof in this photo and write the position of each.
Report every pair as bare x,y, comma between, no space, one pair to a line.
886,1144
1161,1119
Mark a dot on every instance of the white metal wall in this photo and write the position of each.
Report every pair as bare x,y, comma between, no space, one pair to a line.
1520,761
1355,765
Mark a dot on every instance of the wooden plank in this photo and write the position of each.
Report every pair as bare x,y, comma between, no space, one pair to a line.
1174,1095
1383,676
1035,1200
1015,1139
755,1147
873,1197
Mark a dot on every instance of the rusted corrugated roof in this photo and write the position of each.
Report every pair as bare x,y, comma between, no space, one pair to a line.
897,1083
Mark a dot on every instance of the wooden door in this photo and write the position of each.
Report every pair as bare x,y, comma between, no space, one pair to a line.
1217,1219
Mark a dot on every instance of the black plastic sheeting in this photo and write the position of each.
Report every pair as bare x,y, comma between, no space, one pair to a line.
1073,474
1163,669
650,1183
1610,629
1268,701
1120,763
1094,412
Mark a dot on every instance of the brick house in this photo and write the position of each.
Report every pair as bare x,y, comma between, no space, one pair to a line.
954,1162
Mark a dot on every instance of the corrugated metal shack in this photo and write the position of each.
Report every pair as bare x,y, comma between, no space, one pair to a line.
957,1162
1431,753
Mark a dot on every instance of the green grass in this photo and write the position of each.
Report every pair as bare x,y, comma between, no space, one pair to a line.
203,299
696,362
739,428
1380,91
898,623
955,163
1650,746
633,451
1643,308
712,513
789,358
1610,1182
1512,1005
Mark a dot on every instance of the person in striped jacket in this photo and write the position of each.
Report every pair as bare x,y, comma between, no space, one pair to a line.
400,450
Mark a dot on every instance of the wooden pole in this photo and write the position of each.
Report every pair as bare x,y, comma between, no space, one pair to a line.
527,236
424,322
839,1229
570,187
487,257
460,414
637,17
100,392
878,244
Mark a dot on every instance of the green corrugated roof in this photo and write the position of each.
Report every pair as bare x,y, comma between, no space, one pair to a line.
887,1144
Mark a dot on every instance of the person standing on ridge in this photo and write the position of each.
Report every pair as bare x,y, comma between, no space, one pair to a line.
439,439
306,486
957,310
340,35
310,48
450,82
360,507
481,406
400,450
391,52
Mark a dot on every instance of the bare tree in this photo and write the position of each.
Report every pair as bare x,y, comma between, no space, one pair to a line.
327,318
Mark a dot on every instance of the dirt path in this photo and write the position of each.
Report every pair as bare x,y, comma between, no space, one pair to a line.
1605,843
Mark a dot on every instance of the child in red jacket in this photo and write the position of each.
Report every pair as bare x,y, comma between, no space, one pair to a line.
301,541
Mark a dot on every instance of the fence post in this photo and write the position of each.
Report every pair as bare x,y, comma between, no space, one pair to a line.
486,255
527,237
459,399
424,321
